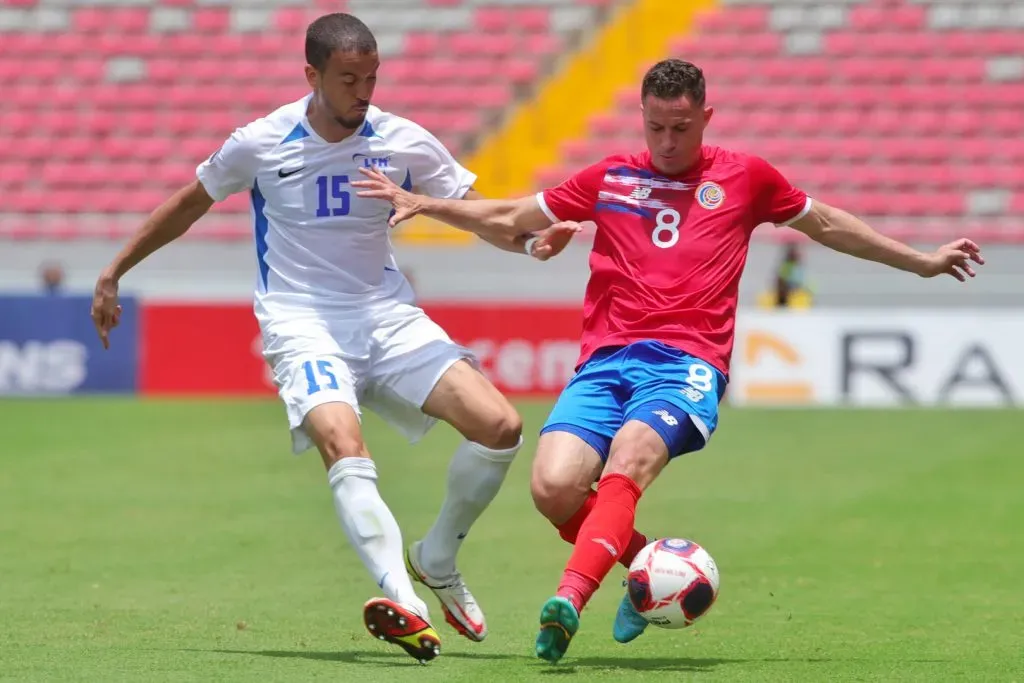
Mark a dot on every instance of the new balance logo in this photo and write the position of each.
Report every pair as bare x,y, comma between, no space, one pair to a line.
640,193
607,546
667,418
693,394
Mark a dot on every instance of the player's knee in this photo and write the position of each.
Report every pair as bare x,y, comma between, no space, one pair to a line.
338,442
556,497
499,430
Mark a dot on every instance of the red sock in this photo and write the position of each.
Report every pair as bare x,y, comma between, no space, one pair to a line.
570,529
602,539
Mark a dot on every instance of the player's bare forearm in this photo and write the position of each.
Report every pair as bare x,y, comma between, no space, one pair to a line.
504,220
168,222
508,241
515,244
509,224
844,232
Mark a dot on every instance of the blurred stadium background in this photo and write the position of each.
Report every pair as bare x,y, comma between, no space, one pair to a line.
909,113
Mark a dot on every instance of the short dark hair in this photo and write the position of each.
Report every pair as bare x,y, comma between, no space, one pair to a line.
337,32
674,78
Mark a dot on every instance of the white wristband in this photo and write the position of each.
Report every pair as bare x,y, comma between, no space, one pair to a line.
528,247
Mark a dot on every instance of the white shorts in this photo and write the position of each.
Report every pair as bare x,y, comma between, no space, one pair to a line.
387,358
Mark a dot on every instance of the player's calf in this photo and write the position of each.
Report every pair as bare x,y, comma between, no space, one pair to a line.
564,470
364,516
493,429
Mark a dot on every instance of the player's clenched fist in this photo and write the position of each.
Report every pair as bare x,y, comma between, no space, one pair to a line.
106,312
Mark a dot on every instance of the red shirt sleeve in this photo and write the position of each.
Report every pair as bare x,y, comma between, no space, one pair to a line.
775,199
575,198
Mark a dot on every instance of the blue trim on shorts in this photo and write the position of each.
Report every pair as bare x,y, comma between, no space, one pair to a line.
599,442
673,424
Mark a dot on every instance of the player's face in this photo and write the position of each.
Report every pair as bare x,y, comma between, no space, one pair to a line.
345,86
674,130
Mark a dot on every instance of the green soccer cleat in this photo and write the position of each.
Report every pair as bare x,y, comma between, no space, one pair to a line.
559,622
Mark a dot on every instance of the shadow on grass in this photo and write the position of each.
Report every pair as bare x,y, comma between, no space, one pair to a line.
570,666
394,659
379,658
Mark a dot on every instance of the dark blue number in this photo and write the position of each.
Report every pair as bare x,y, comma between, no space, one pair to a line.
337,186
323,367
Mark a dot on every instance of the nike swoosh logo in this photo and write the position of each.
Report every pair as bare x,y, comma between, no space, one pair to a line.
281,173
607,546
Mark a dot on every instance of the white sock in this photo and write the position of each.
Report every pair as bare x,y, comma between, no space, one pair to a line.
372,529
474,478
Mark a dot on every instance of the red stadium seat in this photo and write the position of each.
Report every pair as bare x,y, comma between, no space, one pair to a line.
493,19
745,19
532,19
210,20
875,118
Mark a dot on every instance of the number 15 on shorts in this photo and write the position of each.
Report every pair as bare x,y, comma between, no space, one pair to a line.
319,375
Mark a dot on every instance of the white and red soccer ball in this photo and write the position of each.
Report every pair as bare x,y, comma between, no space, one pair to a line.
672,582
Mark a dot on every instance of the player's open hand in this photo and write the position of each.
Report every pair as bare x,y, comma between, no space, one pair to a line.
379,186
106,312
954,259
551,241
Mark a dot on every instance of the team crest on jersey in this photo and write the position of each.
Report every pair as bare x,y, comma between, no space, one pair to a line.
381,163
710,195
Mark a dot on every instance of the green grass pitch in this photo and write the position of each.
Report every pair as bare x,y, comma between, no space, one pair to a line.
180,541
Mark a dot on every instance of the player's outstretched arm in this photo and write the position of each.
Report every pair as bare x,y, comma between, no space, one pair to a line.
507,223
540,244
843,232
168,222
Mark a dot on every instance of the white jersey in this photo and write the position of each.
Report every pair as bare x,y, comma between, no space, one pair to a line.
318,246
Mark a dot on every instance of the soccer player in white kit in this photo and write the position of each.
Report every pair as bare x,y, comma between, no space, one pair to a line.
340,329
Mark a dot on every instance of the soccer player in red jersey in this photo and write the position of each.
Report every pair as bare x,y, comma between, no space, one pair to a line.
673,230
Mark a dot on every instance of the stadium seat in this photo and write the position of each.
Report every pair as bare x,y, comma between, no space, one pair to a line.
143,91
874,121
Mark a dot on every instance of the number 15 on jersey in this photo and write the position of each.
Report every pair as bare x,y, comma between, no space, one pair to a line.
333,199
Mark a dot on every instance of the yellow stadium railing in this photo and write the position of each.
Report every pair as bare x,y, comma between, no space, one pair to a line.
585,84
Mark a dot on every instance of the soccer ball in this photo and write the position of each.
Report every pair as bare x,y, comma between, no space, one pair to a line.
672,582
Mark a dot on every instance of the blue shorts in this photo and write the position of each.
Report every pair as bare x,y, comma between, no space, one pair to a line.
657,384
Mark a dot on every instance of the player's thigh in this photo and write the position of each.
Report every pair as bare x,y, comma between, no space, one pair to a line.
565,468
317,380
673,410
591,406
466,399
418,375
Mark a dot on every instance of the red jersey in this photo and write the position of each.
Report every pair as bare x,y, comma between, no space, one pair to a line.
669,252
